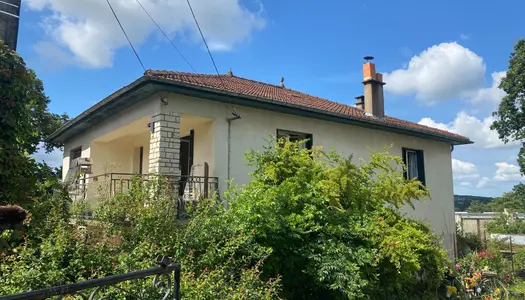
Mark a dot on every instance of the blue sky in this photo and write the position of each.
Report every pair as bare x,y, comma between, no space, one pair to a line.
442,59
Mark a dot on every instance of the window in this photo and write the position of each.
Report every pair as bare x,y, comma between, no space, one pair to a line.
75,153
296,136
415,164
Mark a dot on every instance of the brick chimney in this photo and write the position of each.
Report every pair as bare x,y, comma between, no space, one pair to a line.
374,99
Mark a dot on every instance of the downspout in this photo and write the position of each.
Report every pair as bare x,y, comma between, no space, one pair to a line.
236,116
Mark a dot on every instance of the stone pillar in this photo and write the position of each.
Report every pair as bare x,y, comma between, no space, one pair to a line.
165,144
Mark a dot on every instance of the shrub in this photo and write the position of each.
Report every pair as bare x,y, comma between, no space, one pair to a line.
467,242
308,225
333,226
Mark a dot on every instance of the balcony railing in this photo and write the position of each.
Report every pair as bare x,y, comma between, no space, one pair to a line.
165,285
186,189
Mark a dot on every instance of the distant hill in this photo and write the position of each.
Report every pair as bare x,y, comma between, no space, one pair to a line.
461,202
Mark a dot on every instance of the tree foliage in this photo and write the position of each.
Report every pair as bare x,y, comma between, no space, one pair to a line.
477,206
25,122
309,225
333,225
513,201
510,122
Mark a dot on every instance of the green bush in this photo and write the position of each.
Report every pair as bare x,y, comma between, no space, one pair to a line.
467,242
333,226
308,225
504,224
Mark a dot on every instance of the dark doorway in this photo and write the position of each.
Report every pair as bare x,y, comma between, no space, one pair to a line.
186,159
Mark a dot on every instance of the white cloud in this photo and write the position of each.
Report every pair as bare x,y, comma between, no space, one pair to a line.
53,159
443,71
88,30
492,94
477,130
464,36
507,172
465,183
484,182
52,56
464,170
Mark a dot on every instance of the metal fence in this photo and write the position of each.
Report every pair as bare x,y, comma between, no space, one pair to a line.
114,183
166,284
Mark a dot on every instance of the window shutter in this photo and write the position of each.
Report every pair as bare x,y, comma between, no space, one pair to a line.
421,167
310,142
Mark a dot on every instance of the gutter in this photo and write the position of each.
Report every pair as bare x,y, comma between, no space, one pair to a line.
250,101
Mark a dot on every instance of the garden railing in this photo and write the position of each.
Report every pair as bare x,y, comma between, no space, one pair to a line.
166,284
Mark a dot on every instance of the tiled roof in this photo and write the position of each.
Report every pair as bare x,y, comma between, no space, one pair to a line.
259,89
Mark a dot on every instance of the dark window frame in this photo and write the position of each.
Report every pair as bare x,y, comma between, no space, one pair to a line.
72,156
420,156
141,159
308,136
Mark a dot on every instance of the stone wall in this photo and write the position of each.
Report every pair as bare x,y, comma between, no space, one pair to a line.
165,144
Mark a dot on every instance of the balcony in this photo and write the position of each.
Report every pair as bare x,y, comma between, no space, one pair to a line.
185,189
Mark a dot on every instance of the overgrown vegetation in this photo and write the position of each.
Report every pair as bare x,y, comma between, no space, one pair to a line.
506,224
25,122
309,225
467,242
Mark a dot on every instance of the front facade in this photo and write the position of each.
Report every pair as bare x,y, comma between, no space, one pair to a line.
185,129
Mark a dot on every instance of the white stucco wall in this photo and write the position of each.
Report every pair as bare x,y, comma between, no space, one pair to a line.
140,110
250,132
204,145
256,125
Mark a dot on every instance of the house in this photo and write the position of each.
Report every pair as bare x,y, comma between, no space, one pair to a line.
176,123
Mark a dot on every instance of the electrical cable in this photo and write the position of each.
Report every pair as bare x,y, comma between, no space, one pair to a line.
132,47
202,36
166,36
125,34
234,112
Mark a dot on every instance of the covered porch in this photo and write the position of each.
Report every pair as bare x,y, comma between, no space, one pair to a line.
178,147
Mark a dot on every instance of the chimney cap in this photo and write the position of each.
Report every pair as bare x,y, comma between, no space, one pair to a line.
368,58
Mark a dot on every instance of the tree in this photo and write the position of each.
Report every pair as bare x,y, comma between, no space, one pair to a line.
510,122
513,201
25,122
477,206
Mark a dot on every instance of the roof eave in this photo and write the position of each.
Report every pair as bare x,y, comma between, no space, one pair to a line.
240,99
55,137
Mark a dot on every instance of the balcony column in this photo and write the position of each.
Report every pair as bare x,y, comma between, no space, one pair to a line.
165,144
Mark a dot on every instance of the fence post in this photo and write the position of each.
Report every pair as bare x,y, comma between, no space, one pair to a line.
511,254
176,284
206,179
111,184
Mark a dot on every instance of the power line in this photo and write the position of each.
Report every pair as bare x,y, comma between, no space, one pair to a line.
202,35
124,31
166,36
234,112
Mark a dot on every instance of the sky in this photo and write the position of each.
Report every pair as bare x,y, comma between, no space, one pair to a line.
442,60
